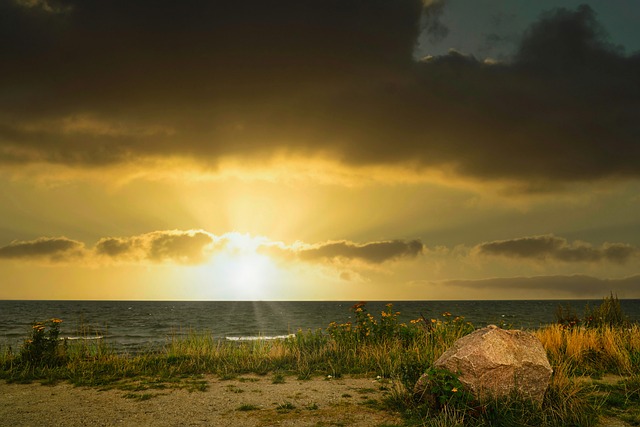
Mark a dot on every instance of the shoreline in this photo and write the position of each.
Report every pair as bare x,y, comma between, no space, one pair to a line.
133,326
391,353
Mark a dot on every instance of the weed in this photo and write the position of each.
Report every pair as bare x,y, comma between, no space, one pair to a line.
197,385
228,377
371,403
138,397
439,388
304,376
285,407
278,378
248,407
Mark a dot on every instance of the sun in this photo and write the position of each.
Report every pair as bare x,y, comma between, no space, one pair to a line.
247,275
240,272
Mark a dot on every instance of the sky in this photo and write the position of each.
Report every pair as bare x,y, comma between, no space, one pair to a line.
319,149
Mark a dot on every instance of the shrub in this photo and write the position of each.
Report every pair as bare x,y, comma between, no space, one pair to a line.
41,348
367,328
608,313
441,388
567,316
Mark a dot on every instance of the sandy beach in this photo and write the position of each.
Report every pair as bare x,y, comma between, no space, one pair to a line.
245,401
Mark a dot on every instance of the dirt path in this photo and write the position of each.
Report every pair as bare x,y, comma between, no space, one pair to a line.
246,401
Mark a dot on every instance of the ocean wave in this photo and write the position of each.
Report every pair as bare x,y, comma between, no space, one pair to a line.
98,337
261,338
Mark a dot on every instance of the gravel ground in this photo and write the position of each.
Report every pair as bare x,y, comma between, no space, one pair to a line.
245,401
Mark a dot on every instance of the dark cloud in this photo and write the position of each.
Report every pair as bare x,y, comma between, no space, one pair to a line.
92,82
579,43
117,246
372,252
575,285
185,247
502,38
432,25
550,247
197,246
54,249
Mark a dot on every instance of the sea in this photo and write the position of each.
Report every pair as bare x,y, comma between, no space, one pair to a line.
134,326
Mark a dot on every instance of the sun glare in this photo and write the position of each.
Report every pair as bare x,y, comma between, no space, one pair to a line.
239,272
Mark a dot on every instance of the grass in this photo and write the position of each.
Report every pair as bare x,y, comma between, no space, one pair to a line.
278,378
285,407
138,397
375,346
592,351
621,398
248,407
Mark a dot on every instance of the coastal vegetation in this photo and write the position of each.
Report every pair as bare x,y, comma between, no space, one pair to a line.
595,358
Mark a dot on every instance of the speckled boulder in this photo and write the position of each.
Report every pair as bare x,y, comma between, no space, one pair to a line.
496,362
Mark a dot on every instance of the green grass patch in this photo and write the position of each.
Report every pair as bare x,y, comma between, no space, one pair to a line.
247,407
285,407
139,396
278,378
233,389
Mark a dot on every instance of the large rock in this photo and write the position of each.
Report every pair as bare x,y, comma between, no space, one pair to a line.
496,362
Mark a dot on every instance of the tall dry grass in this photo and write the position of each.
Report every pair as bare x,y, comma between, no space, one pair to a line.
593,350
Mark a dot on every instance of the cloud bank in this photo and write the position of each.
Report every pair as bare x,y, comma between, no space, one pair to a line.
183,247
91,83
358,260
372,252
52,249
581,286
550,247
194,247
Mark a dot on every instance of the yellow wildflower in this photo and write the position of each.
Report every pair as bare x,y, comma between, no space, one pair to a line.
56,320
358,305
455,389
